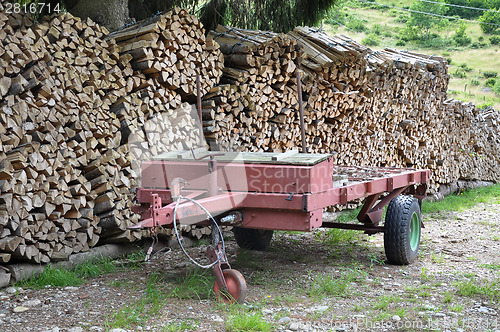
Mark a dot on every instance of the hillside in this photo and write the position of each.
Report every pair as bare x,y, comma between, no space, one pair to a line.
474,67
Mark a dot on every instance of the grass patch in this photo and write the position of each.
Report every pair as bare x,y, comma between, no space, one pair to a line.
336,286
248,259
196,284
334,237
475,288
466,200
138,312
180,326
492,266
71,277
242,319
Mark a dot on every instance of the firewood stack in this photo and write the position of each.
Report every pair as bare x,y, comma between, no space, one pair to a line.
172,49
260,95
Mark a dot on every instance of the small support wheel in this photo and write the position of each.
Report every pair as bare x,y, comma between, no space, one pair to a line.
253,239
402,230
236,285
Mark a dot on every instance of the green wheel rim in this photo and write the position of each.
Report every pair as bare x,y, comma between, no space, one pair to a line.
414,232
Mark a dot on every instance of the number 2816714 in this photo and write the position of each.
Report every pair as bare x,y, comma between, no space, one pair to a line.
32,8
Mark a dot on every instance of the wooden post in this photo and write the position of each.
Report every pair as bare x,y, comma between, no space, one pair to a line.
198,105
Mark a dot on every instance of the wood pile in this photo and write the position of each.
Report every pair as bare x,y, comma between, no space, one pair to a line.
172,49
74,117
258,92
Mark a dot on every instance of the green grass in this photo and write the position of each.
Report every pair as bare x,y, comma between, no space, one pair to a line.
74,277
137,313
330,285
334,237
196,284
465,200
182,326
242,319
475,288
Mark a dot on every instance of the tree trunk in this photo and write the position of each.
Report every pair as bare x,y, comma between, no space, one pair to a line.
113,14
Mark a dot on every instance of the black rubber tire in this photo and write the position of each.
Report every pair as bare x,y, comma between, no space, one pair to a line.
397,230
253,239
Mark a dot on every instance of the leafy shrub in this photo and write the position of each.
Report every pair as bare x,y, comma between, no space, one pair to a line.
402,18
400,42
490,82
478,45
495,40
493,18
496,87
460,37
449,61
475,82
459,73
356,24
465,67
377,29
488,74
370,40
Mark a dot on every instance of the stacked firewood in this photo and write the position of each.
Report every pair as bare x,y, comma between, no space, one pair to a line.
172,49
258,92
76,120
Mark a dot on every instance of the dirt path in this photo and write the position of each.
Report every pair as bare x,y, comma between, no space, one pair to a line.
321,281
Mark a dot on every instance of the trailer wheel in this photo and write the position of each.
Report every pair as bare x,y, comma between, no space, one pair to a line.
254,239
236,285
402,230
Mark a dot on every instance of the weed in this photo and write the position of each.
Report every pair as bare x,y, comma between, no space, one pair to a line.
53,277
182,326
334,237
383,302
468,200
137,313
439,259
447,297
336,286
457,308
473,288
241,319
194,284
496,238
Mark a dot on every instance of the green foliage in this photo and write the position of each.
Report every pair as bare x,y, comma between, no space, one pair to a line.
490,82
495,40
475,82
459,73
490,74
370,40
196,284
460,37
496,87
241,319
356,24
426,22
73,277
492,17
475,288
467,200
276,15
464,12
336,286
138,312
334,237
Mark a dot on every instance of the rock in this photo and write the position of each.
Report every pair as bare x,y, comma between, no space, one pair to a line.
486,89
396,318
118,330
13,290
217,318
294,326
70,288
439,314
32,303
267,311
20,309
284,320
75,329
321,308
95,329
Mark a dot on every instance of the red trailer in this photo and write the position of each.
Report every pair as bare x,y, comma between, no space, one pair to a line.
257,193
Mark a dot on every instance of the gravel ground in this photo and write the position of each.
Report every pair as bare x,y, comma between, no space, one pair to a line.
303,282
